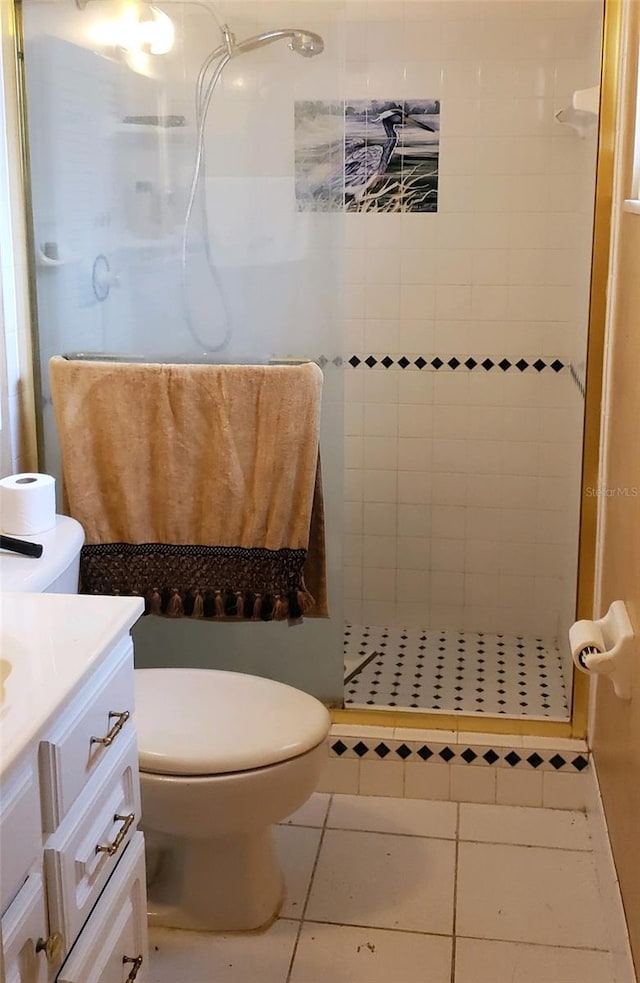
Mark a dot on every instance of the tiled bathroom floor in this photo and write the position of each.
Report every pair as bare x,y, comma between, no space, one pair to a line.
386,890
453,671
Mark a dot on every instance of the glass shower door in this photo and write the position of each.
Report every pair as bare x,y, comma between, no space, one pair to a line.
112,139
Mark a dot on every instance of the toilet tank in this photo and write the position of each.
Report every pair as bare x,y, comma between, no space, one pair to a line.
56,571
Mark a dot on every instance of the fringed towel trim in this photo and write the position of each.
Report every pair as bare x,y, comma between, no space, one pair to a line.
193,581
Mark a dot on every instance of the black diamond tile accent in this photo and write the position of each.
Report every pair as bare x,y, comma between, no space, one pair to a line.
437,362
404,664
469,755
387,362
535,760
403,751
487,364
420,362
491,757
512,758
339,747
504,364
557,365
557,761
360,749
580,762
453,363
403,362
371,361
354,360
522,364
539,365
447,754
382,750
471,363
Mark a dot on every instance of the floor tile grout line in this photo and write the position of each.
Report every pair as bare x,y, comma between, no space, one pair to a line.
455,896
542,945
448,935
378,928
294,951
450,839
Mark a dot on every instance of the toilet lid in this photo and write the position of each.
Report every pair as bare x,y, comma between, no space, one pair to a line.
208,722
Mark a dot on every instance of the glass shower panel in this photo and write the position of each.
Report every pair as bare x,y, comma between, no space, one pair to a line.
112,142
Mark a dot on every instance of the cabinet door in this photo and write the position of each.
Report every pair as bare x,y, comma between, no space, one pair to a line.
23,924
116,932
82,854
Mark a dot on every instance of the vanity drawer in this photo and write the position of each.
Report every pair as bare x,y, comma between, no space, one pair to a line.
20,834
83,852
87,733
116,929
22,926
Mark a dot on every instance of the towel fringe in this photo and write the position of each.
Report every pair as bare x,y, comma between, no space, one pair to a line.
219,604
224,603
175,608
280,609
305,600
198,605
257,607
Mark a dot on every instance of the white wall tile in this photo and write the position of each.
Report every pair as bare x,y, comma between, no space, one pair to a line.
380,420
378,584
340,775
427,781
560,791
379,551
417,300
413,487
380,486
447,555
414,553
473,784
448,521
502,269
381,519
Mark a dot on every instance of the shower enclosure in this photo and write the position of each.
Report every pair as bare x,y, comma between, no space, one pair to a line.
400,204
114,133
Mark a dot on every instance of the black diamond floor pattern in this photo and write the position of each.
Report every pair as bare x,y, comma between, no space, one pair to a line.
468,672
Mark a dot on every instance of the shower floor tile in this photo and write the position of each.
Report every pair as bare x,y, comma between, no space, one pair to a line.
468,672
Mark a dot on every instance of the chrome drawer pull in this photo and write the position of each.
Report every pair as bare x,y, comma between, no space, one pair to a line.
111,848
137,963
115,730
52,947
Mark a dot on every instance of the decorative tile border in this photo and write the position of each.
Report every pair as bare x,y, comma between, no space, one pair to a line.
451,363
522,759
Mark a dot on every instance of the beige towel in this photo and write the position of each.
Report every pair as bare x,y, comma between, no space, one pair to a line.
196,484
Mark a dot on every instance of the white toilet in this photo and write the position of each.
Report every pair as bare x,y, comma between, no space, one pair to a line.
56,571
223,755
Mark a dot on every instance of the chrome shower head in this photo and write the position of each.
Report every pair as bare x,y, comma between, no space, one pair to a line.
305,43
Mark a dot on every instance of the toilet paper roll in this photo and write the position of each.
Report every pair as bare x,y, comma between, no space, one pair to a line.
27,504
585,635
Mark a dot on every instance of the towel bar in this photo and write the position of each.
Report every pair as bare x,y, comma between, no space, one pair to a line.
320,360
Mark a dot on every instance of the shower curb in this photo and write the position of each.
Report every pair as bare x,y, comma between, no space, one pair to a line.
444,765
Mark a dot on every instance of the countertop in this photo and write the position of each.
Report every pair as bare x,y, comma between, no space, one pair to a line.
49,644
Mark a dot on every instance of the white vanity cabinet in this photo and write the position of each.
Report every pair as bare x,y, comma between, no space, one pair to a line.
72,878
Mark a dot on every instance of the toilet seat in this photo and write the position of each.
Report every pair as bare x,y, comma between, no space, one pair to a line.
212,722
